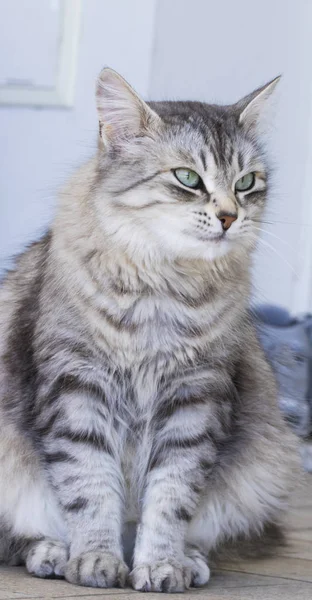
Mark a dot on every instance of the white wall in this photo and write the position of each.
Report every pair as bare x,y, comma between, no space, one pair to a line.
214,50
39,148
219,51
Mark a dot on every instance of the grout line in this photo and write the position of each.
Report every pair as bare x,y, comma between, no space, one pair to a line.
268,576
259,585
100,592
66,596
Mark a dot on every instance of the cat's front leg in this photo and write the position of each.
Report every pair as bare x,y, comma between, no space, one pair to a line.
171,499
94,517
187,427
83,466
177,475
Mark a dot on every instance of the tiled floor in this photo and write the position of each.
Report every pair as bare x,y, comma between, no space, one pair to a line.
286,577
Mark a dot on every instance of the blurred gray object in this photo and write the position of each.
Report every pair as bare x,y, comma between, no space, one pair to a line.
287,343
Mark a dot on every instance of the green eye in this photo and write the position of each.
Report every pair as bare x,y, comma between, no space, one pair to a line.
187,177
245,183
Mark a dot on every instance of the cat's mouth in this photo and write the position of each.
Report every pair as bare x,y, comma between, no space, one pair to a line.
217,237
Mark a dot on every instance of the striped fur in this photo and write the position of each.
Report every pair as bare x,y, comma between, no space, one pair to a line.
132,386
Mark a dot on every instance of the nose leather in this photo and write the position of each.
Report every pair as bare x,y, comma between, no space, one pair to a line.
226,219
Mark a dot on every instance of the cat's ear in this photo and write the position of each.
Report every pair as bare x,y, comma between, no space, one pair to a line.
122,113
251,108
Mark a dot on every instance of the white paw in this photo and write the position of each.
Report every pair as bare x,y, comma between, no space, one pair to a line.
163,576
200,572
47,558
97,569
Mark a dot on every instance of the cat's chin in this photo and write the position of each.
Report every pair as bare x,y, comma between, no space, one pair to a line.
212,249
217,249
226,247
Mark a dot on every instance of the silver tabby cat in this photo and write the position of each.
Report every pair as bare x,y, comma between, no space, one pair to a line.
134,395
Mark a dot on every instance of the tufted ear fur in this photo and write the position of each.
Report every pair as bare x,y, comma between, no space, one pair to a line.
122,113
251,107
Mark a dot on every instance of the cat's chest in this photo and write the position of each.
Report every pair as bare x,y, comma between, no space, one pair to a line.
148,327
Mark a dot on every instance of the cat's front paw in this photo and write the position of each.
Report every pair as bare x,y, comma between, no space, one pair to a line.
200,572
47,558
97,569
163,576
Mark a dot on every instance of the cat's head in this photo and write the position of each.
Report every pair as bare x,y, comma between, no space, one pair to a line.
178,180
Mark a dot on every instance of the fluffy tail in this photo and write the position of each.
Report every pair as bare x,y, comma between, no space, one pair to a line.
12,548
263,545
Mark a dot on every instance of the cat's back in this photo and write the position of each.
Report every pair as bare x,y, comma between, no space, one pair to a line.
21,282
19,303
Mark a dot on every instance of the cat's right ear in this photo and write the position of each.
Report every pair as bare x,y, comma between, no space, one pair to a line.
251,108
122,113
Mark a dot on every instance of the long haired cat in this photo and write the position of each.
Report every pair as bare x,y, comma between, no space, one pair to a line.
133,391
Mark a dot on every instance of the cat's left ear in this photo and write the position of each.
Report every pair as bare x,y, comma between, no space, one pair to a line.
251,107
122,113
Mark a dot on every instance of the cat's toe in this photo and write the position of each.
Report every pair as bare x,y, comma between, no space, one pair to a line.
47,558
140,579
163,576
200,572
97,569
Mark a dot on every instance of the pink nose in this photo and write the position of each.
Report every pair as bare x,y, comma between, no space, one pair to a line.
226,220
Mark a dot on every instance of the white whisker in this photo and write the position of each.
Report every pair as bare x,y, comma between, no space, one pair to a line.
276,237
268,245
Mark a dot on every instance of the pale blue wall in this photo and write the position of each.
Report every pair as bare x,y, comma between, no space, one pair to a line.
39,148
214,50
